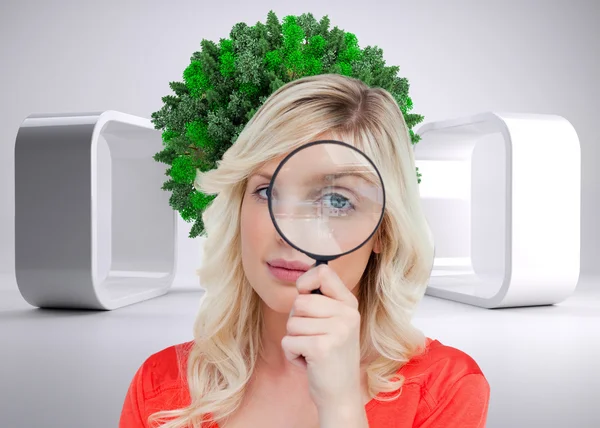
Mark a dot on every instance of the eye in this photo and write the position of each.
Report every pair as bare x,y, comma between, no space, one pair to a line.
261,193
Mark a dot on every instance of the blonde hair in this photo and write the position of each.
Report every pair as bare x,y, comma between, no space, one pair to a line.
227,330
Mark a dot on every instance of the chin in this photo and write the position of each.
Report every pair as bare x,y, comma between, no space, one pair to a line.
279,299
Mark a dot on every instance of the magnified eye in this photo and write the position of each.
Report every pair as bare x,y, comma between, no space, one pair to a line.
335,200
337,204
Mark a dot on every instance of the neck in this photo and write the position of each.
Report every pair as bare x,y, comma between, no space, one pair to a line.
274,328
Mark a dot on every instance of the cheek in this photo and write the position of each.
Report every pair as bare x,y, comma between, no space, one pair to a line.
351,267
254,228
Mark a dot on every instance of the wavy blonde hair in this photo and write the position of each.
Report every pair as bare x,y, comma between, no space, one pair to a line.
227,330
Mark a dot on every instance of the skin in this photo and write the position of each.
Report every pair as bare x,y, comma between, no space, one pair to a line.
311,364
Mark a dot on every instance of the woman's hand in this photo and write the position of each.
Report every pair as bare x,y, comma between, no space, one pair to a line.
323,335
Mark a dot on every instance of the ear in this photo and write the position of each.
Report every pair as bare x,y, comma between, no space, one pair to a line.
377,244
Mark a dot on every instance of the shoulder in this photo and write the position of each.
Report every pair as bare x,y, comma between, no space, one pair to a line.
165,369
439,361
450,381
159,384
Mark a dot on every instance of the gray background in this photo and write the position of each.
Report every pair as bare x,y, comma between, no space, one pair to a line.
71,368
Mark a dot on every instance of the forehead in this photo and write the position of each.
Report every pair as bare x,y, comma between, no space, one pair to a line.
268,168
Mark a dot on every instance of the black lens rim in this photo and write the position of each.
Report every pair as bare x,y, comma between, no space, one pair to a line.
321,257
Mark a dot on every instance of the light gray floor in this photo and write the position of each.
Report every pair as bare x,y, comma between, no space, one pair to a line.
72,368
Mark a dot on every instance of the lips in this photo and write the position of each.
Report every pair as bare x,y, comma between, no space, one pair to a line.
289,264
287,271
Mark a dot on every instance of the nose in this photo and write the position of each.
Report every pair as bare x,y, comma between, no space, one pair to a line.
278,236
280,239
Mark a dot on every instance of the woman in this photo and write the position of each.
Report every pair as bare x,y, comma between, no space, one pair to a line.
266,351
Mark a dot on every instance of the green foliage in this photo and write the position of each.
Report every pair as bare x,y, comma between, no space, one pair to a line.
226,83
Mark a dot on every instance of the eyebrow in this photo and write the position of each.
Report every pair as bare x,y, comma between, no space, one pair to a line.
322,177
369,178
260,174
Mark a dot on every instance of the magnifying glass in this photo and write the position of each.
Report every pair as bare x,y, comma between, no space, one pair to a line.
326,199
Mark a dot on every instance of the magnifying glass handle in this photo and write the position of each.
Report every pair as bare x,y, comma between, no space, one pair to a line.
318,290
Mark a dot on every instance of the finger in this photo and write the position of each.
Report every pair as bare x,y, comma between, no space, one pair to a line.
325,278
301,350
316,306
332,286
308,281
303,326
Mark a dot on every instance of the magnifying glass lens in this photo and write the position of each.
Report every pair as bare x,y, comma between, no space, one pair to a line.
326,199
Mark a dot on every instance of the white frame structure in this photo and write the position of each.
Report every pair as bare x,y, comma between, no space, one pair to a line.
93,228
501,192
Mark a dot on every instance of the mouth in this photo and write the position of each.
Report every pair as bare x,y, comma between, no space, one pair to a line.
287,271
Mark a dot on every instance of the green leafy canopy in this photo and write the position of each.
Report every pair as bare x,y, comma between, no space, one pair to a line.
226,82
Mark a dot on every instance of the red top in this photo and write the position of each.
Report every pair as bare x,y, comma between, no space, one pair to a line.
444,388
